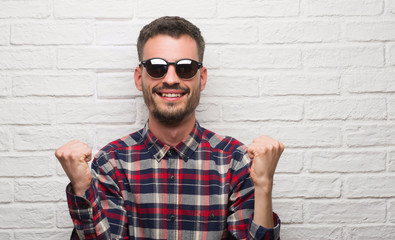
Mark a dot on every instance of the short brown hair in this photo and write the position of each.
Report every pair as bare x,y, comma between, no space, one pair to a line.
174,27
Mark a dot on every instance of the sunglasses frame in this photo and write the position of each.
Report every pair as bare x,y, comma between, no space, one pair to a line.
144,64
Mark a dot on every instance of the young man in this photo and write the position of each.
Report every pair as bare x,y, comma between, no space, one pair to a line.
172,179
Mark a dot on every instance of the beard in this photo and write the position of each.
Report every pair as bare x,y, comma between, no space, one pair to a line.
172,112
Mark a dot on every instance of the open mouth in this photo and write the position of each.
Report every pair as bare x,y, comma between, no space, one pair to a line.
170,95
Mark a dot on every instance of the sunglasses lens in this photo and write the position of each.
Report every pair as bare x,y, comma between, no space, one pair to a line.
186,68
156,68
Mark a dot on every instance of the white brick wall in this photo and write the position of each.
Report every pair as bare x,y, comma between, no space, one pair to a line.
319,75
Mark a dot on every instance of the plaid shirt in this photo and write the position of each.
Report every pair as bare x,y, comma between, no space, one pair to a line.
143,189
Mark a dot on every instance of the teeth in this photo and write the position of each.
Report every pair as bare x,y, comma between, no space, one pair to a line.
171,95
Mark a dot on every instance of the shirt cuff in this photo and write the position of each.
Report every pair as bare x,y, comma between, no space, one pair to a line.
81,207
259,232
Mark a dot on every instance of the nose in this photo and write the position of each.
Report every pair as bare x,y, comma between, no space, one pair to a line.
171,76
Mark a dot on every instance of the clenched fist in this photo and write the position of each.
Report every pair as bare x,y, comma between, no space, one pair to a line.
74,157
264,153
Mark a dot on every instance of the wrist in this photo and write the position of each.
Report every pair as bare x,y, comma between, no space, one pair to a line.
264,185
79,189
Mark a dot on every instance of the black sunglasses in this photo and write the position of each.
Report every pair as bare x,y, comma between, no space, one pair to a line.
185,68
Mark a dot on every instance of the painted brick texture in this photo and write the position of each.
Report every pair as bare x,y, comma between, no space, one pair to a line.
318,75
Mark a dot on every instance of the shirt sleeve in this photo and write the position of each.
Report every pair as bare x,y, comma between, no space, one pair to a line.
100,213
241,204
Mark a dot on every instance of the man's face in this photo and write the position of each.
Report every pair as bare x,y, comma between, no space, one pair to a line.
170,99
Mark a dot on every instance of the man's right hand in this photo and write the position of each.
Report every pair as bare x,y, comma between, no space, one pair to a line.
74,157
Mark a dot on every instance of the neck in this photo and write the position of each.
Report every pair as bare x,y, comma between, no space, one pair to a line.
171,133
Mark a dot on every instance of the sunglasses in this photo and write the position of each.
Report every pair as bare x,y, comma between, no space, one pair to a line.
185,68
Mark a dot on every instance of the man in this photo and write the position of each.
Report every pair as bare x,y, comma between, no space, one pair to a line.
172,179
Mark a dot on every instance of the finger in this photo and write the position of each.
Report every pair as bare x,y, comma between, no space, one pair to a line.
251,152
88,157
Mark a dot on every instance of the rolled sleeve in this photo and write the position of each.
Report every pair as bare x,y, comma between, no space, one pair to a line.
261,233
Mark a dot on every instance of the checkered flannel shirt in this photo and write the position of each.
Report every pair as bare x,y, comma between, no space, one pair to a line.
144,189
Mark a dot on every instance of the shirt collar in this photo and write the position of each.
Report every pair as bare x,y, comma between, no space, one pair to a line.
184,149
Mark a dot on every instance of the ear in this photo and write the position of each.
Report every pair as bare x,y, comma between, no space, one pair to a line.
138,78
203,78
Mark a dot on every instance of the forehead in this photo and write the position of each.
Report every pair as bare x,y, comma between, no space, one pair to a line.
170,48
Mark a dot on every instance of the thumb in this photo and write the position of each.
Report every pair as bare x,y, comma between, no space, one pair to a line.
86,156
250,153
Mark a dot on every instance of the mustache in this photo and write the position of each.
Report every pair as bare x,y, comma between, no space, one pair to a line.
170,87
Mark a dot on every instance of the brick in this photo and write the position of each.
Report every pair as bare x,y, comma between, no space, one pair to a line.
201,9
211,57
98,112
208,112
391,164
290,162
25,113
369,81
240,32
5,139
40,190
290,211
318,187
260,110
300,84
391,211
43,234
370,31
97,58
27,166
4,34
77,32
59,168
6,190
251,8
6,235
293,135
341,8
25,58
345,109
298,31
53,85
142,111
347,161
31,215
345,211
108,134
343,56
391,107
390,54
25,9
116,85
369,135
93,9
241,86
311,232
5,83
50,137
260,57
386,232
117,33
63,219
373,186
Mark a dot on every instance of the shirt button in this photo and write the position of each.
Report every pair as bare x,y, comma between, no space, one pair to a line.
172,218
172,152
212,216
173,178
